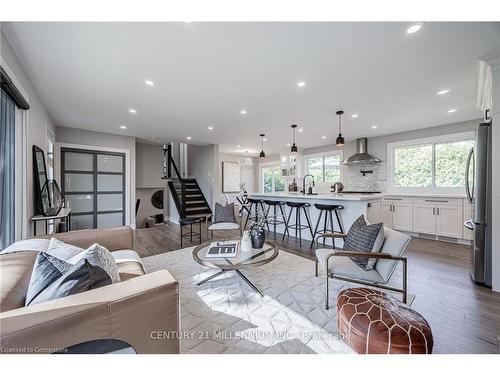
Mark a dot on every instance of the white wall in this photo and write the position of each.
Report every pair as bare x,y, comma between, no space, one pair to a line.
103,141
495,222
247,176
149,166
202,165
38,119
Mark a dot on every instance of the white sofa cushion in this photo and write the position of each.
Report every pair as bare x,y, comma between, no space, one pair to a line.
224,226
344,266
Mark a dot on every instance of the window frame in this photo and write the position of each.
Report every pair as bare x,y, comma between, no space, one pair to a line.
391,148
323,155
271,164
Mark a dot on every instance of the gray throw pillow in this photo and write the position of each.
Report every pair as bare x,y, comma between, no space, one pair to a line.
80,277
62,250
224,214
99,256
362,237
46,270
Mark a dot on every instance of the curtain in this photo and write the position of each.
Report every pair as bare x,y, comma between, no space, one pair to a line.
7,168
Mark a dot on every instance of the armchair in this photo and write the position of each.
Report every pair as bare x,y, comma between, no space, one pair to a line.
223,226
337,264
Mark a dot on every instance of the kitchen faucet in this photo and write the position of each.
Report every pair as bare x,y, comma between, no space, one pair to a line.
304,184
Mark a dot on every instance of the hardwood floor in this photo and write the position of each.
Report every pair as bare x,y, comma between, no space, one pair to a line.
464,317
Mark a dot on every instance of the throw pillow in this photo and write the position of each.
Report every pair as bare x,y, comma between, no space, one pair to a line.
99,256
80,277
62,250
224,214
362,237
46,270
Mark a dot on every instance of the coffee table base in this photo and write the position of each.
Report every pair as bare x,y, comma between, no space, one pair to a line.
238,272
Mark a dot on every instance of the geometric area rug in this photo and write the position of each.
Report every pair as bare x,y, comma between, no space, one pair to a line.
226,316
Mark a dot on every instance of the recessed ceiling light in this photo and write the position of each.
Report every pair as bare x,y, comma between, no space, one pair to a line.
301,83
355,115
301,130
264,139
132,110
123,127
243,112
288,145
452,110
442,92
323,137
188,21
238,146
414,28
149,82
210,128
188,138
374,126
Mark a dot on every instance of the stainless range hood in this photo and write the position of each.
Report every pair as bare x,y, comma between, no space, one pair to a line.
361,156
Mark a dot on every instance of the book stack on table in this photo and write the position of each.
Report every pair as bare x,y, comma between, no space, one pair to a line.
223,249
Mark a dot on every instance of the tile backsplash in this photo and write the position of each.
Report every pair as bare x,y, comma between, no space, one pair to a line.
353,179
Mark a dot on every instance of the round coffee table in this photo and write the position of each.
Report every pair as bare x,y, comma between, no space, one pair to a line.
253,258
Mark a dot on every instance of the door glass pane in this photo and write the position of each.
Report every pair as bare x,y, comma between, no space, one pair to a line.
109,182
109,220
80,203
413,166
78,161
315,167
332,168
451,158
82,222
74,182
109,202
109,163
279,181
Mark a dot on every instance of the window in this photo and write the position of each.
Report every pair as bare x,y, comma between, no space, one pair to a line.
271,178
324,167
430,165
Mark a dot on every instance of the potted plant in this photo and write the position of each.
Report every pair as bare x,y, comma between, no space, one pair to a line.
257,233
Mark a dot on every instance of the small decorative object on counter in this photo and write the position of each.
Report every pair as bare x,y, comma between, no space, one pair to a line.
293,186
257,233
337,187
246,242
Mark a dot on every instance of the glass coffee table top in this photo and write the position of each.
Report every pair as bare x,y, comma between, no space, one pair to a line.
253,258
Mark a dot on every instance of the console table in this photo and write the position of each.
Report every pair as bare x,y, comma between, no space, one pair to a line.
65,213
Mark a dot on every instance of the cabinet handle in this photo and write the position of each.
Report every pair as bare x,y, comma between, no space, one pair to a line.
393,208
435,201
393,199
433,210
438,210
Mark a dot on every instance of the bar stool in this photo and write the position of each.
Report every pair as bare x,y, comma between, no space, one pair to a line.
298,226
328,209
190,221
254,205
275,219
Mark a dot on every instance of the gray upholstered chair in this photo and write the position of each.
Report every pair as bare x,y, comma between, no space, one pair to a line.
223,226
337,264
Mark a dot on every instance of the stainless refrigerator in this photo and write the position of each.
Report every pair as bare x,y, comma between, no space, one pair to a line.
478,191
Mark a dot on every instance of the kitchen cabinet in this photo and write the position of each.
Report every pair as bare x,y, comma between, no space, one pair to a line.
441,217
397,213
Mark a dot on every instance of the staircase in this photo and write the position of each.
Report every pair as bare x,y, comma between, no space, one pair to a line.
186,192
189,199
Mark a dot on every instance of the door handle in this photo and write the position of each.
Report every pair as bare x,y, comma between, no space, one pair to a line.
467,170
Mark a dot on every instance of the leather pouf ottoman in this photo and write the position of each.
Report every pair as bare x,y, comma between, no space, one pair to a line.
372,322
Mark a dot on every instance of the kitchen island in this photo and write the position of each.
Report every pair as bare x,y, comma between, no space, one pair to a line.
355,205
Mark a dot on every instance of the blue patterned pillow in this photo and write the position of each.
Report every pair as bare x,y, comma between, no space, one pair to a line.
364,238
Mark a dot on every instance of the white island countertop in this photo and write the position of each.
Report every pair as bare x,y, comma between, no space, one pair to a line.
327,196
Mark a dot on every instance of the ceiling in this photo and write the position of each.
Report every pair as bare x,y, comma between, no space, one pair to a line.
89,74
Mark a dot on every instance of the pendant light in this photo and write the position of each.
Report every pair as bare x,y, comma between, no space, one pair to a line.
262,153
294,149
340,140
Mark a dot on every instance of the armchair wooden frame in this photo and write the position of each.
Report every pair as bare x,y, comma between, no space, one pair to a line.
342,253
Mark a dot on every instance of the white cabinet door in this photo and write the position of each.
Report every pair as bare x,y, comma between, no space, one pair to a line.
402,218
374,212
449,221
387,214
424,219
